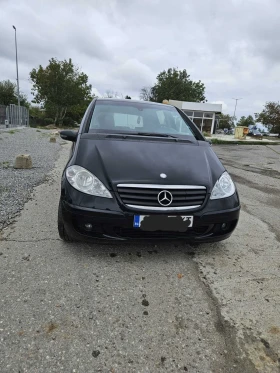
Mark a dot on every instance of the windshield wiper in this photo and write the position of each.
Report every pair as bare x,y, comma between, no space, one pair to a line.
151,134
124,135
155,134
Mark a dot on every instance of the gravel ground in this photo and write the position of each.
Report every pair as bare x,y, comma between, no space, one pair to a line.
16,185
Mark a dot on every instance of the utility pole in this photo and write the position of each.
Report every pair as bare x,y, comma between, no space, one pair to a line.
236,99
17,76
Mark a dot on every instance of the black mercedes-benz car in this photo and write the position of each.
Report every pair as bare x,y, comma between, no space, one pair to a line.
141,170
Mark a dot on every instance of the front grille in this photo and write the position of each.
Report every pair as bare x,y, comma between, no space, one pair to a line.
147,196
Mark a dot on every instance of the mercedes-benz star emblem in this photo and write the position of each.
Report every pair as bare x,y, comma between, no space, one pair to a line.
165,198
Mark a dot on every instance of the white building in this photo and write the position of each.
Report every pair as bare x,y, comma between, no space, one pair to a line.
203,115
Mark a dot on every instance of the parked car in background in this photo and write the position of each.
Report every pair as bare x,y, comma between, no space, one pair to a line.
142,170
255,133
228,131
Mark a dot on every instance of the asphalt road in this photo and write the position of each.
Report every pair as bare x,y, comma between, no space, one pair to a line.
145,308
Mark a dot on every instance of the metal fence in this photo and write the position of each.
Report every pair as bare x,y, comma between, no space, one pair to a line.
13,116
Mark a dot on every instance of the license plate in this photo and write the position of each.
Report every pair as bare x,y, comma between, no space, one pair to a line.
163,223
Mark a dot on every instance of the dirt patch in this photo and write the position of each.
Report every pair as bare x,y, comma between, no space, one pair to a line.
51,327
252,184
274,330
261,171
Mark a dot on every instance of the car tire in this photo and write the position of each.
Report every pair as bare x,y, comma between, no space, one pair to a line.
60,226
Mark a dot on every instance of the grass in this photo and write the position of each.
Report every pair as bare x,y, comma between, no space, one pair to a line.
44,134
44,128
3,189
5,164
12,132
56,128
207,134
223,142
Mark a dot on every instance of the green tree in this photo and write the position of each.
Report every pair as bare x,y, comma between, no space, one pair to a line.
246,121
76,112
23,100
128,97
36,116
226,121
176,84
8,94
36,111
270,116
60,87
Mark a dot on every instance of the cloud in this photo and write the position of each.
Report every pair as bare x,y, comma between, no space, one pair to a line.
232,46
133,73
96,92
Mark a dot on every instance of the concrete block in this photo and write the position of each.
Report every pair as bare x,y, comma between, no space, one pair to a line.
23,161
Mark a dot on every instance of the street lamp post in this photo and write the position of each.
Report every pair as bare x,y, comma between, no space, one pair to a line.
17,75
236,99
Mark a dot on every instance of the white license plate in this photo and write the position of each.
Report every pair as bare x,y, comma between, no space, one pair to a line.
163,222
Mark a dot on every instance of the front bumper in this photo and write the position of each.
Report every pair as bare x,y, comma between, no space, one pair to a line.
208,226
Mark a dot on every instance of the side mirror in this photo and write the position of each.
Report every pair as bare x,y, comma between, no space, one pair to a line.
209,142
69,135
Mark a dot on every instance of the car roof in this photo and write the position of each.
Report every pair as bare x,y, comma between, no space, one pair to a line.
132,101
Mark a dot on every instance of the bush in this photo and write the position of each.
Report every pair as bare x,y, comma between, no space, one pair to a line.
69,122
35,121
258,142
207,134
48,121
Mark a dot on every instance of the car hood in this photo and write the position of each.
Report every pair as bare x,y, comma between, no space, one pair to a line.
116,161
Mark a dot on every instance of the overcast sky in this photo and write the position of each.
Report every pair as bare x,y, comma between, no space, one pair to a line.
232,46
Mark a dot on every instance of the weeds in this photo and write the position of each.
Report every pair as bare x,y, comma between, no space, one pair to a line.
5,164
3,189
12,132
224,142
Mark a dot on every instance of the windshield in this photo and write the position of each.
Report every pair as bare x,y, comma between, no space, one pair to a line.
126,117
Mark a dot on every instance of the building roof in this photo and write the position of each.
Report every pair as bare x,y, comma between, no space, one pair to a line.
197,106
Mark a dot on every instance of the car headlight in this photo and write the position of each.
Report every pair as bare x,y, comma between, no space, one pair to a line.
84,181
223,188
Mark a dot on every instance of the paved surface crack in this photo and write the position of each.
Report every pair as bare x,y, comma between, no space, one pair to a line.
235,363
272,149
30,241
